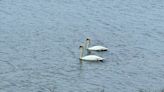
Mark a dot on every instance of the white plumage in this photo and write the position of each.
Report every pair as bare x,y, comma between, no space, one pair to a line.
94,48
97,48
92,58
89,57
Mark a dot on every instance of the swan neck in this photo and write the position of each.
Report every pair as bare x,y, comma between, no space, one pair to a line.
87,43
81,53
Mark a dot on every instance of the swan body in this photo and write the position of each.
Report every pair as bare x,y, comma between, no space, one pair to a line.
97,48
94,48
89,57
92,58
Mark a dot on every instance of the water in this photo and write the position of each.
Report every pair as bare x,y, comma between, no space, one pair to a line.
39,45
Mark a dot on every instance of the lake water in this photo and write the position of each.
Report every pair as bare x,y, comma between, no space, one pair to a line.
39,45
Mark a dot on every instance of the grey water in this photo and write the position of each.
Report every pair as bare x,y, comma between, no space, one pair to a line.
39,45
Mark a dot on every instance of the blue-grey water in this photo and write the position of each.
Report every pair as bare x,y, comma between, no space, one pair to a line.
39,45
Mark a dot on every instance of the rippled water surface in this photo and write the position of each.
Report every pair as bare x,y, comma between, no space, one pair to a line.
39,45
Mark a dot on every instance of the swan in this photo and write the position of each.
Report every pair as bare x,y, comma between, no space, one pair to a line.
94,48
89,57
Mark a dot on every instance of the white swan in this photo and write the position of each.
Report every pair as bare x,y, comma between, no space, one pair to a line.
94,48
89,57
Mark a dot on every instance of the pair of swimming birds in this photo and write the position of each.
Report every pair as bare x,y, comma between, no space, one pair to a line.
89,49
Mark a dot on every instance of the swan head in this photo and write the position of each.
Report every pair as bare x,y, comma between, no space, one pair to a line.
88,39
80,46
